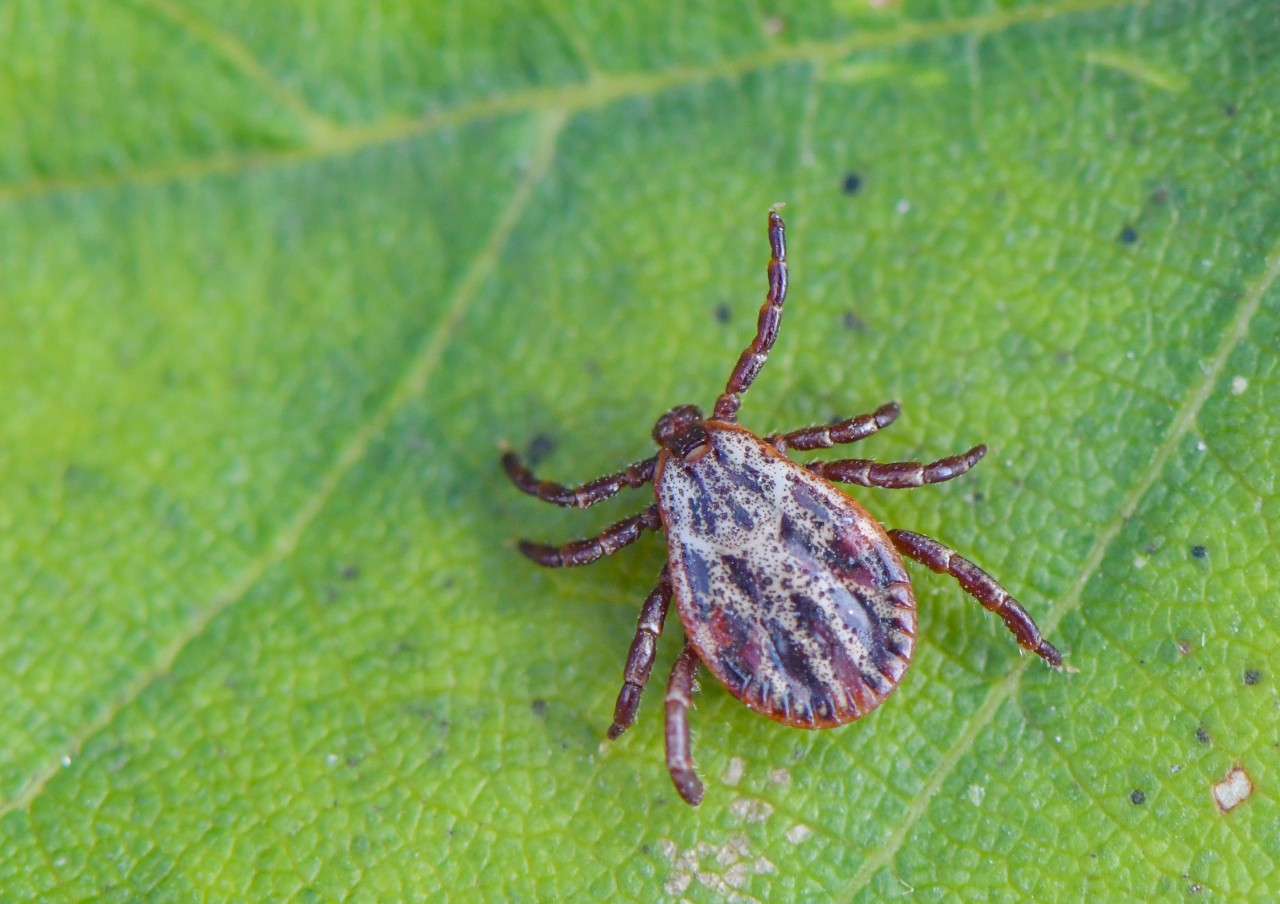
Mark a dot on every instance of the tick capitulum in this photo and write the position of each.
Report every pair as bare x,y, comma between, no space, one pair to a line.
788,591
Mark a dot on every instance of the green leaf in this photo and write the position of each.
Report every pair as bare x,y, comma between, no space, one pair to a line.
278,278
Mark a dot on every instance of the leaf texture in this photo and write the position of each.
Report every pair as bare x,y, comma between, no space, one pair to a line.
279,278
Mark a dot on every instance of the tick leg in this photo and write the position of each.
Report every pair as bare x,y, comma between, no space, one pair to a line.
979,585
640,660
679,757
605,543
589,493
846,431
753,358
896,475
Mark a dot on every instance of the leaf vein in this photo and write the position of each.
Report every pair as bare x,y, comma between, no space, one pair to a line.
1181,425
567,99
411,384
231,49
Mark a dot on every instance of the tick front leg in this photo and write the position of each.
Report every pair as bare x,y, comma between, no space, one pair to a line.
846,431
640,660
755,354
679,756
605,543
589,493
896,475
981,586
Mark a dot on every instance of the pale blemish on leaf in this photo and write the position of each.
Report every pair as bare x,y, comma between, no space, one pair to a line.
733,772
1233,790
722,869
750,810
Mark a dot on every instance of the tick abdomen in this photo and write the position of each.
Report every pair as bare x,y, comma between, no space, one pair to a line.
792,594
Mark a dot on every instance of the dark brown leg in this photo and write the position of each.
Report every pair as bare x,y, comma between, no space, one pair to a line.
605,543
589,493
679,757
896,475
753,358
640,660
846,431
979,585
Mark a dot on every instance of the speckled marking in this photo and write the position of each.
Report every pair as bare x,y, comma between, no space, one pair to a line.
791,593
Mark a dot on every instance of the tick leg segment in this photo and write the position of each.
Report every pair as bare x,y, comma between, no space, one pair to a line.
640,660
846,431
605,543
679,757
589,493
896,475
979,585
753,358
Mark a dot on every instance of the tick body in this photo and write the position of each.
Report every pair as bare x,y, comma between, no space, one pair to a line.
788,590
791,594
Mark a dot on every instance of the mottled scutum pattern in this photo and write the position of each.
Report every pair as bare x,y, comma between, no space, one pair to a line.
789,590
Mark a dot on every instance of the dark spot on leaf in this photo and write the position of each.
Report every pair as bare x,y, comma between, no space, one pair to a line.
1229,109
350,572
1202,735
1199,551
851,321
1252,677
851,183
723,313
539,706
1128,235
540,447
592,367
1138,797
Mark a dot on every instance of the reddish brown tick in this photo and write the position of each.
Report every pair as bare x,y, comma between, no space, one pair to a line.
789,592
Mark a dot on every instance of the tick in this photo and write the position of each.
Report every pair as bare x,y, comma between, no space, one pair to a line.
789,591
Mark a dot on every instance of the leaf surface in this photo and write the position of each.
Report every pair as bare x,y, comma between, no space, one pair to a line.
279,278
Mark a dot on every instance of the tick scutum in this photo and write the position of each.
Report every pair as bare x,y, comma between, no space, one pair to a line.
813,621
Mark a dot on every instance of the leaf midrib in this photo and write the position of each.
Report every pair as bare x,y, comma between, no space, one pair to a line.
334,141
410,385
554,106
1182,424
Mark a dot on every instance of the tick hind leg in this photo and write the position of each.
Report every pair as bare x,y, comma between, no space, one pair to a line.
825,436
635,675
755,354
981,586
605,543
896,475
589,493
679,756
